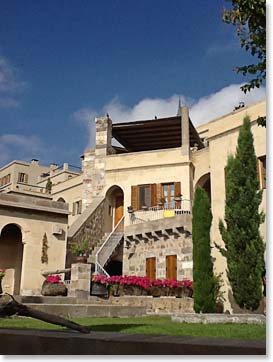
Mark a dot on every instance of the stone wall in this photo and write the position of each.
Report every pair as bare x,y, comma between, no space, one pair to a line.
87,167
92,228
134,256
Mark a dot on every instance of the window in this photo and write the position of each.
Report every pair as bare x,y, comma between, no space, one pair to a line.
22,177
77,207
151,195
5,180
144,196
171,267
262,171
151,268
168,194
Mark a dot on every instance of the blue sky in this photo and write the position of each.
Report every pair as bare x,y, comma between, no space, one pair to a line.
64,62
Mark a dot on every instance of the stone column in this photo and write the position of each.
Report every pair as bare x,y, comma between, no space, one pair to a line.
88,170
80,281
103,147
185,130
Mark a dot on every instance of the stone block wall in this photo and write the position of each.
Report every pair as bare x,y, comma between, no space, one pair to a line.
87,167
93,228
80,280
134,257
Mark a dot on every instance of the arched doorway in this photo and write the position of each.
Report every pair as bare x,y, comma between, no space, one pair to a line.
11,255
204,182
114,206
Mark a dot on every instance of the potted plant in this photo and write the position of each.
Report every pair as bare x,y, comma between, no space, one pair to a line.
80,250
2,274
178,197
161,202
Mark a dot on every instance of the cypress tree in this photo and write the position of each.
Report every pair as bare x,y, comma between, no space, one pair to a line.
244,247
203,277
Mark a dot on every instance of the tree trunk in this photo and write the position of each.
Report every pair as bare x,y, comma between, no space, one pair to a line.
13,307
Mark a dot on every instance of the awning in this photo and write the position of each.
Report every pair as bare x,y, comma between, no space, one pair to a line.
153,134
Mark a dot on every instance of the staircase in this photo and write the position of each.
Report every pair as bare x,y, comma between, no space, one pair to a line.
108,248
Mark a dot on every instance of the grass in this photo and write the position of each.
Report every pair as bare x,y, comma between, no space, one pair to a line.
162,325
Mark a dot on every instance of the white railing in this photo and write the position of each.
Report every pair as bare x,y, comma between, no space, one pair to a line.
107,247
161,212
100,270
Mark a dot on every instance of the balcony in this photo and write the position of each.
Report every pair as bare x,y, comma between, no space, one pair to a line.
166,211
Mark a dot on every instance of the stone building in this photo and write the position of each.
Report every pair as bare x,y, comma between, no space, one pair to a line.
133,201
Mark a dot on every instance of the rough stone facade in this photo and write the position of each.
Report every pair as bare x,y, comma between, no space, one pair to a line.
134,260
87,167
93,227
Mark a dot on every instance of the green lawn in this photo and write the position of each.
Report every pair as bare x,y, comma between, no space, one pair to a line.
149,325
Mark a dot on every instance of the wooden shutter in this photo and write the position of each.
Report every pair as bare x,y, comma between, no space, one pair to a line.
177,188
159,194
153,195
26,178
151,268
171,267
135,197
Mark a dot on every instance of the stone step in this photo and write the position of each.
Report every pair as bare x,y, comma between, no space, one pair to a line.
87,310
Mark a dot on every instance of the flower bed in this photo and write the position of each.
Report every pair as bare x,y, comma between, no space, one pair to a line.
132,285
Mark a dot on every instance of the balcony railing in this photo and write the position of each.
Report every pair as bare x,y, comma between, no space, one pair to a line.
161,212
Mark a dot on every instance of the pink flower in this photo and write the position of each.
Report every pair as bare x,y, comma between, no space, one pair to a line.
53,278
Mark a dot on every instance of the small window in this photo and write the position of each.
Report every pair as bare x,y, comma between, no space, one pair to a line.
77,207
151,268
22,177
5,180
262,171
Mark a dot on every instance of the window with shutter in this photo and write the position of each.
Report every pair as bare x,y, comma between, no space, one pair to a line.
151,268
171,267
262,171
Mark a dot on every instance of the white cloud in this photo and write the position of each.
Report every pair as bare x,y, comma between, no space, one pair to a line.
222,102
13,146
201,110
10,85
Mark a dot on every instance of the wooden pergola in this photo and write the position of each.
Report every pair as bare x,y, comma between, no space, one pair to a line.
153,134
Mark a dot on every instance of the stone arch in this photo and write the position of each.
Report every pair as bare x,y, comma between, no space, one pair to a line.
11,256
61,199
115,203
204,182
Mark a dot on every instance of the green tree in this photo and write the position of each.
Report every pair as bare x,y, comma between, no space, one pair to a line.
249,18
244,247
203,278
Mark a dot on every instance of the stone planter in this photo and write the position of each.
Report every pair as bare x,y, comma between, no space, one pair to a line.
53,289
116,290
154,291
81,259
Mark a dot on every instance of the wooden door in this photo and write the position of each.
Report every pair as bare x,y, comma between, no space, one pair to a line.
171,267
118,208
151,268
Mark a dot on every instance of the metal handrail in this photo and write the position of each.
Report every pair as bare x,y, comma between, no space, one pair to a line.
104,243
